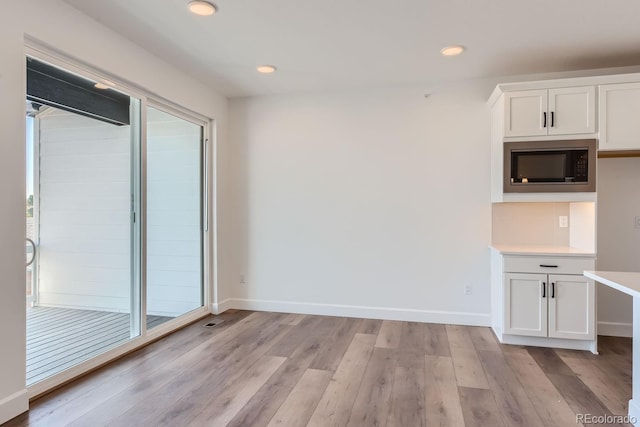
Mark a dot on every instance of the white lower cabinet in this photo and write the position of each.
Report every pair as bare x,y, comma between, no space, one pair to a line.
572,307
553,305
526,305
544,300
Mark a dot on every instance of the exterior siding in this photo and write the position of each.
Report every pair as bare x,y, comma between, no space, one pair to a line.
173,215
85,229
85,187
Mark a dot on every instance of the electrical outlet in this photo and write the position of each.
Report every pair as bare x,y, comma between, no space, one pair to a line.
242,279
638,222
468,290
564,221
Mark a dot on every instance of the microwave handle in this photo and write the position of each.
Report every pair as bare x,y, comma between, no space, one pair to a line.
544,119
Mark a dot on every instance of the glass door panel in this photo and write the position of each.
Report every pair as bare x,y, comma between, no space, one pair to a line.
84,194
173,217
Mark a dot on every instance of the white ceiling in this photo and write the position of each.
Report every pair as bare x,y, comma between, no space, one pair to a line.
345,44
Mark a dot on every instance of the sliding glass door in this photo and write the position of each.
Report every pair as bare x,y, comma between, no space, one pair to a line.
81,147
174,225
114,210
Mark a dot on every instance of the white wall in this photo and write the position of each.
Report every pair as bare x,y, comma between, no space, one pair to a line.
366,203
13,396
78,36
582,226
618,239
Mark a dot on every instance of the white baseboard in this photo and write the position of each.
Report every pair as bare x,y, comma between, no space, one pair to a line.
363,312
615,329
221,307
497,331
549,342
14,405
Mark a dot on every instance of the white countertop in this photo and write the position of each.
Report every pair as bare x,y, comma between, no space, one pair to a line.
541,250
627,282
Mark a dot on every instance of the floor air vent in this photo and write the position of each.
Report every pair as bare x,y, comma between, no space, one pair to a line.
212,324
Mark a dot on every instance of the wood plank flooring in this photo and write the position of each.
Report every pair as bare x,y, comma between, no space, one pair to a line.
58,338
270,369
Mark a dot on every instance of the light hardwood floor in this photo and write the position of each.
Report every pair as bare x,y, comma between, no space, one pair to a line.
269,369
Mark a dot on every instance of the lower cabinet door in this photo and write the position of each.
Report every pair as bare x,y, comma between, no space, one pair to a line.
525,304
571,307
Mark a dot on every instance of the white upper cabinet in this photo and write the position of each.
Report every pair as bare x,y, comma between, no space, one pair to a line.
619,113
525,113
572,110
560,111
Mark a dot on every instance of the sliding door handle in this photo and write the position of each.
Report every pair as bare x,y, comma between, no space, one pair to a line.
33,254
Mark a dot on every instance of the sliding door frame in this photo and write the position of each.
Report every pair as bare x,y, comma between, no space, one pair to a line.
35,131
39,51
204,200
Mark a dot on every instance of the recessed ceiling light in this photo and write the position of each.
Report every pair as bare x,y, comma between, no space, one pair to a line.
102,85
202,8
266,69
452,50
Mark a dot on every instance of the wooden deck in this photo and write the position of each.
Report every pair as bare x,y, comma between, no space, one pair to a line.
58,338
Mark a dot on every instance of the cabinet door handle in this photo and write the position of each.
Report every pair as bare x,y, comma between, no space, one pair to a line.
544,290
552,120
544,119
548,266
553,290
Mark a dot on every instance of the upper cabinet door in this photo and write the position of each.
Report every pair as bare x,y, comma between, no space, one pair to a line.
572,110
619,114
525,113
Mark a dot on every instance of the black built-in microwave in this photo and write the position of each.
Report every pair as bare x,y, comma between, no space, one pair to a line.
550,166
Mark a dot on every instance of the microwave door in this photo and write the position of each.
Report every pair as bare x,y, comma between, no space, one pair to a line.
540,167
